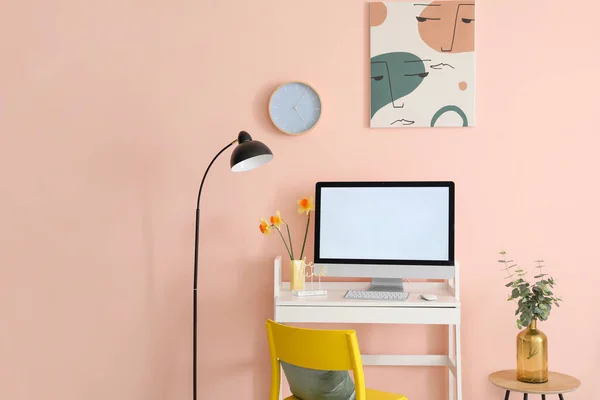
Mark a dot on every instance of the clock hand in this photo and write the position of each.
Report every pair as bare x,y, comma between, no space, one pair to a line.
301,97
303,121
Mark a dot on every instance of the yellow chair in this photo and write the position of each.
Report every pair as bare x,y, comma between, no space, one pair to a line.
330,350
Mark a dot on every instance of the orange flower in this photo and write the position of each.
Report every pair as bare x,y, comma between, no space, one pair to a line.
306,205
264,227
276,220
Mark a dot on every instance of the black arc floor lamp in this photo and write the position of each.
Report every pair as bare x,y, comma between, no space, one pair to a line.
248,154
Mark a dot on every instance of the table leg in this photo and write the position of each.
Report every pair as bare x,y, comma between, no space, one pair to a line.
525,395
507,395
560,396
543,397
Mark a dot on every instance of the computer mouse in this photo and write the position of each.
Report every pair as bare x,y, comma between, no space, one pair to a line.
429,297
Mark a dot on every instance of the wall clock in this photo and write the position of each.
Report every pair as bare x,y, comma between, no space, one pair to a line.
295,108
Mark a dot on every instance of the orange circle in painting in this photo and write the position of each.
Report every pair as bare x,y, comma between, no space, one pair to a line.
462,85
378,13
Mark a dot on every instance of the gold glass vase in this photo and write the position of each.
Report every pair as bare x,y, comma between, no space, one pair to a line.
532,355
297,272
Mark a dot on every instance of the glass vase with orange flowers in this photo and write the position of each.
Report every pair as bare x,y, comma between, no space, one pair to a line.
275,223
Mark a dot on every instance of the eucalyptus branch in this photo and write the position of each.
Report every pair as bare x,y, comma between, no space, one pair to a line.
534,300
510,275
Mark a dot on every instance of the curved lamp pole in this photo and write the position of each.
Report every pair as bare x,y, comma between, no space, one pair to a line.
248,154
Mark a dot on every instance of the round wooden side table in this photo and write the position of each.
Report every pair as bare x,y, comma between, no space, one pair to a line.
557,384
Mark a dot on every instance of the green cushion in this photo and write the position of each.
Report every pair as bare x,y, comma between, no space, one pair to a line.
313,384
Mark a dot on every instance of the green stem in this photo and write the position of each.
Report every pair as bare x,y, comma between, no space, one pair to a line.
290,239
305,234
286,246
510,275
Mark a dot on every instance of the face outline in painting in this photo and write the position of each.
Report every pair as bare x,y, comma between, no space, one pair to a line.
393,76
447,26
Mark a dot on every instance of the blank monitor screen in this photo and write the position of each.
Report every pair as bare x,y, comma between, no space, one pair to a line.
407,223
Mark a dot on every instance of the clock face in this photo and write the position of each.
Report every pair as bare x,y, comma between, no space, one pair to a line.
295,108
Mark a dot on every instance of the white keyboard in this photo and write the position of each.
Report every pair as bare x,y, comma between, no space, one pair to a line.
375,295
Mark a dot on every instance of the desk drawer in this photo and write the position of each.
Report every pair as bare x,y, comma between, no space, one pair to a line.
369,315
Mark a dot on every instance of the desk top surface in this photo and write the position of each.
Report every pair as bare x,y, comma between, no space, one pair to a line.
337,290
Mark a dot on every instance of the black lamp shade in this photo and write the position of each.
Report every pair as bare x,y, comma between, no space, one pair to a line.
249,154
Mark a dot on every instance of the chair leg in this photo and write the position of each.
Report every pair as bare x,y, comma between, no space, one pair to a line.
280,383
507,395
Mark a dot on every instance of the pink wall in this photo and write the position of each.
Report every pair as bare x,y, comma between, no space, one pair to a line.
110,112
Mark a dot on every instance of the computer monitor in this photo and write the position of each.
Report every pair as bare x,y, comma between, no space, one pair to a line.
385,231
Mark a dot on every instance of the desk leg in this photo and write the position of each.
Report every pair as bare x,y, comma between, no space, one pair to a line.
458,363
454,379
451,355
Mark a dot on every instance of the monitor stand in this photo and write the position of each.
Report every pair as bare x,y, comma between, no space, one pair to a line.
386,285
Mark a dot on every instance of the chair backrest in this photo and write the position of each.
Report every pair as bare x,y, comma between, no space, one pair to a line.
330,350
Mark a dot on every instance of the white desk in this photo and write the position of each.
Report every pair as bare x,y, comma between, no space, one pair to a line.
333,308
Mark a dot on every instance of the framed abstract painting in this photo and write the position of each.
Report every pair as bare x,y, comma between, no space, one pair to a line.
422,64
